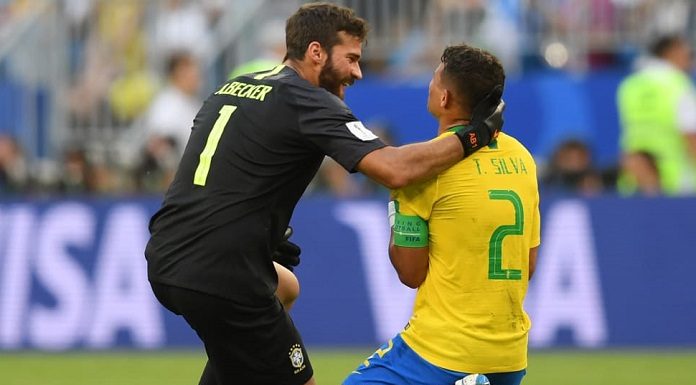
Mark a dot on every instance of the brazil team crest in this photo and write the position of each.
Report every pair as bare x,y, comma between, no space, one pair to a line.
296,358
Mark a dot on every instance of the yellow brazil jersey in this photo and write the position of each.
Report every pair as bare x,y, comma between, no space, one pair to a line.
483,217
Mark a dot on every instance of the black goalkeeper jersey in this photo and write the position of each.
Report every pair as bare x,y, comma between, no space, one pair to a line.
254,147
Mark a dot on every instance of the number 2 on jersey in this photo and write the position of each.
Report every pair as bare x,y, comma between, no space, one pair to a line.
495,245
211,144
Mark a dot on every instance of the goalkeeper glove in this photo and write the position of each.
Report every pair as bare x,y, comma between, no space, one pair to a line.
485,124
287,253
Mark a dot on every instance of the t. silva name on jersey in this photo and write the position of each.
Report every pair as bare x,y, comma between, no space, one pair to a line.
500,166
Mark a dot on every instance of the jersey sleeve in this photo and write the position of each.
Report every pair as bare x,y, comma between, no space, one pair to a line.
329,124
417,199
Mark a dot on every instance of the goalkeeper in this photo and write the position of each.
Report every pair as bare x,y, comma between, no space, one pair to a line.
467,239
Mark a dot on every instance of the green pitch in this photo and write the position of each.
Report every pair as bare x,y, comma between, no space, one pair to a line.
331,366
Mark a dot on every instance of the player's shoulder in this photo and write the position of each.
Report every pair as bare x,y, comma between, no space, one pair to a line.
300,91
415,194
283,84
507,146
507,142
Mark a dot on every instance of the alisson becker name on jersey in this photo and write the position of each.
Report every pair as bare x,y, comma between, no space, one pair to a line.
244,90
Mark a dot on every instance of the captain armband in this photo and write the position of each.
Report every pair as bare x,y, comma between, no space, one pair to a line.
409,230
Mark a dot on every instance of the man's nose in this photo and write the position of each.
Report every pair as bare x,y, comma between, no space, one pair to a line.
356,72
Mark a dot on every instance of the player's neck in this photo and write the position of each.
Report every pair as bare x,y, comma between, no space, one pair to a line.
446,124
305,70
450,116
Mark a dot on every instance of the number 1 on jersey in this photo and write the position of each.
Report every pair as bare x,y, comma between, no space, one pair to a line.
203,168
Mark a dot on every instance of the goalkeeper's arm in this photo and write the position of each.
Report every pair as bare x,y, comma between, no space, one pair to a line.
396,167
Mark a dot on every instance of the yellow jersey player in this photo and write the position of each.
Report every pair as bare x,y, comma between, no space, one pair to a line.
467,239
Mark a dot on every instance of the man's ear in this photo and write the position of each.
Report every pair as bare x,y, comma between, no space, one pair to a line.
316,53
446,98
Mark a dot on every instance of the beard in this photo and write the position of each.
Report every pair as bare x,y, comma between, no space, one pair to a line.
332,81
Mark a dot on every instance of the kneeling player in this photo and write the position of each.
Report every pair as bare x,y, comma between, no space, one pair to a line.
467,239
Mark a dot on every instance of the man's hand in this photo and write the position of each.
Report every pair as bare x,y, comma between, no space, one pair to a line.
486,122
287,253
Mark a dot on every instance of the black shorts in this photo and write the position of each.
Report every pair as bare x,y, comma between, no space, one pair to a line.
245,345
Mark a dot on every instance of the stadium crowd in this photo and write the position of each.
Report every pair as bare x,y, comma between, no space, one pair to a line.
136,72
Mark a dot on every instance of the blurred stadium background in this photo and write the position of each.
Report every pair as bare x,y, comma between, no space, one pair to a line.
93,96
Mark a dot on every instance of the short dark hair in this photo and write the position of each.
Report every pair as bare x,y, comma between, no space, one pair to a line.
320,22
663,43
473,72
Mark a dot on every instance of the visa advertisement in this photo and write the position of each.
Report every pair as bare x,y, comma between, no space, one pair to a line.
611,272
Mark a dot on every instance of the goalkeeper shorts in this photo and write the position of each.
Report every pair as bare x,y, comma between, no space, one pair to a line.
245,345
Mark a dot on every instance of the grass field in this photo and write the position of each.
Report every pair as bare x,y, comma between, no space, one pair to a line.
183,368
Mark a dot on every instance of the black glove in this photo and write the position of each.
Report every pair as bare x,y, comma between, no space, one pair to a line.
287,253
485,124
